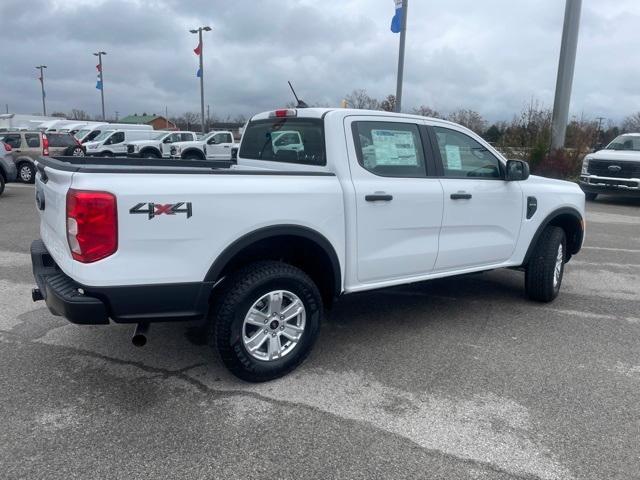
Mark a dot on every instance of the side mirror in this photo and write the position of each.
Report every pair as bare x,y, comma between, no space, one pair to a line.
517,170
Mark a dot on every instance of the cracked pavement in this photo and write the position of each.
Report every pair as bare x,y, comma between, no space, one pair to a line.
455,378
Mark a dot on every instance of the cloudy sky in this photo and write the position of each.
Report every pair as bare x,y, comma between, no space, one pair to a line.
493,56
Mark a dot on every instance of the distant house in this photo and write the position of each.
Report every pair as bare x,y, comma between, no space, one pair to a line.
158,122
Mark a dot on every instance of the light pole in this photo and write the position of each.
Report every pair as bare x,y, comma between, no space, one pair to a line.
44,106
566,67
403,35
100,83
199,50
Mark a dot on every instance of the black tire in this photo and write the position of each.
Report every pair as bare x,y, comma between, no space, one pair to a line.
540,271
192,156
590,196
149,154
235,299
2,183
26,172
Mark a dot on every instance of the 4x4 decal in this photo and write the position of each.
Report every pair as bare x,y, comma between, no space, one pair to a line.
156,209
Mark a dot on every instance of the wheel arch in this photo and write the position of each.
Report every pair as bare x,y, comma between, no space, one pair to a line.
197,151
300,246
153,149
571,221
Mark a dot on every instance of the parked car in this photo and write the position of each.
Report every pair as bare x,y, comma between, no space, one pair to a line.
159,146
114,142
614,170
257,250
8,171
90,132
214,146
30,145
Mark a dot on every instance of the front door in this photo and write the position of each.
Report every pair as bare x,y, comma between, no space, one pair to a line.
482,211
219,146
399,209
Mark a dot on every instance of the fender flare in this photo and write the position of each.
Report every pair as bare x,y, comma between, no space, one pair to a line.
200,153
275,231
154,149
547,221
22,159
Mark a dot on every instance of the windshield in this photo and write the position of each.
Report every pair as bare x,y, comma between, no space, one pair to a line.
103,135
625,142
292,140
80,134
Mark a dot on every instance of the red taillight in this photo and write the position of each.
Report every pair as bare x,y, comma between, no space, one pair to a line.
45,145
92,225
7,147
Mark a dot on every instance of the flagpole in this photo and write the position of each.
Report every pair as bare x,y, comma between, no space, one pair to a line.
99,55
44,106
403,33
200,59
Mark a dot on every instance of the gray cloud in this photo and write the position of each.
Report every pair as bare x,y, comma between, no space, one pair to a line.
493,56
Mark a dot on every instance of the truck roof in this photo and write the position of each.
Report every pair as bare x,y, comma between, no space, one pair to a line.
345,112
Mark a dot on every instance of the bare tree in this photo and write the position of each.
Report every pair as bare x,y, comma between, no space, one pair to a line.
388,104
632,123
360,99
470,119
425,111
77,114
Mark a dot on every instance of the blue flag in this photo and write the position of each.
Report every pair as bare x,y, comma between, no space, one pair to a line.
396,21
199,73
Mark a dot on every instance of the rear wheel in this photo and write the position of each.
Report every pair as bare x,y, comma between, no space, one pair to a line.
150,154
77,152
26,172
192,156
590,196
265,320
544,272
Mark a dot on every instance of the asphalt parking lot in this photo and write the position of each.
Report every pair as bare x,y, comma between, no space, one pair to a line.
456,378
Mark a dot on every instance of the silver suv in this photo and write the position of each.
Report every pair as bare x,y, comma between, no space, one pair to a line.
30,145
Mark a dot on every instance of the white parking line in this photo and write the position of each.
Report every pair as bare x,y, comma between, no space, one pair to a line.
14,259
19,185
609,249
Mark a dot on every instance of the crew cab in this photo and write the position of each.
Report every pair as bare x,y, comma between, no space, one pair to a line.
258,250
159,146
216,145
615,170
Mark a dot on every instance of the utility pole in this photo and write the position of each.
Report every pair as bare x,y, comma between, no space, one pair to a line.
208,118
600,119
117,116
566,67
44,106
101,82
199,51
403,35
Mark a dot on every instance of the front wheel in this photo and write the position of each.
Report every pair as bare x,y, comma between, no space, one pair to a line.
265,320
26,172
544,272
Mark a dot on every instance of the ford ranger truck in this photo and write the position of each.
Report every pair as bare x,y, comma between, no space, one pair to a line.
363,200
615,170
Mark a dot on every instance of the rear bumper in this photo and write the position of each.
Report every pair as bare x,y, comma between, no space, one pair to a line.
123,304
611,186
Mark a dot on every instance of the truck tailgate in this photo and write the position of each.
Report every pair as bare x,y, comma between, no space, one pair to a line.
51,199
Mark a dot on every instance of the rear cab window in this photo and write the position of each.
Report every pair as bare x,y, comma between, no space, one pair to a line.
288,140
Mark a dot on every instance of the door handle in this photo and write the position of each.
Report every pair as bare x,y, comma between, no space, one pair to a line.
378,197
460,196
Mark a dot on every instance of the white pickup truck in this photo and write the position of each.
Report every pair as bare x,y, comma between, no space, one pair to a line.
217,145
159,146
372,200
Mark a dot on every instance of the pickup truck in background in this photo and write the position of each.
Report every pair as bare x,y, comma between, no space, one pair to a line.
159,146
365,200
614,170
214,146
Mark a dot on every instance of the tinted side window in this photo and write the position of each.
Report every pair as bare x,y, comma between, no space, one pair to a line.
390,149
186,137
462,156
260,139
117,137
12,139
32,139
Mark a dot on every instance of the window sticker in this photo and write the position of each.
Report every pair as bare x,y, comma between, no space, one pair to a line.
393,147
453,160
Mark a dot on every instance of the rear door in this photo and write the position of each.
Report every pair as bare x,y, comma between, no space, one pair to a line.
482,212
218,146
398,207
